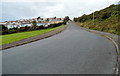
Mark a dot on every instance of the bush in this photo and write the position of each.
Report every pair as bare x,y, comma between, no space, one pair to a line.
41,27
2,27
12,31
22,29
55,25
106,15
15,28
26,28
4,32
9,32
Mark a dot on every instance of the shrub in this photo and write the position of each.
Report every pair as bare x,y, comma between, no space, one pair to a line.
22,29
15,28
106,15
2,27
12,31
41,27
9,32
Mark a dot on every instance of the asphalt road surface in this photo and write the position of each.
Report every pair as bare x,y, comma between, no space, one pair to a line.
0,62
74,51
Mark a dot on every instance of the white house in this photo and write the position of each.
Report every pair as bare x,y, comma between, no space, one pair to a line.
23,25
2,23
12,26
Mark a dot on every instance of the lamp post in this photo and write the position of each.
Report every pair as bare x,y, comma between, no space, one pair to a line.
93,17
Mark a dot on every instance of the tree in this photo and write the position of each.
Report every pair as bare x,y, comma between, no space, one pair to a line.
2,28
47,19
66,19
38,18
34,24
54,17
75,19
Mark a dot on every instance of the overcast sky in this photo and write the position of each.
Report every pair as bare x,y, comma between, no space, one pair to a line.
23,9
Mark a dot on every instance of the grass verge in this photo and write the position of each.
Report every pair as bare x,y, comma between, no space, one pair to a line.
110,25
5,39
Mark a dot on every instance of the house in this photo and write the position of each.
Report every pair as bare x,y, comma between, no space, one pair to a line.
52,20
2,23
23,25
12,26
27,22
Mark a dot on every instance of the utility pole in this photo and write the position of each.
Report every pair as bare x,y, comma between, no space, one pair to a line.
93,16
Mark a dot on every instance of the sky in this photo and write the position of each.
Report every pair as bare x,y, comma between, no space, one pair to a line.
27,9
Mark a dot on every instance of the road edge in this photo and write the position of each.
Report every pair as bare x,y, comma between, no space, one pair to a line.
42,36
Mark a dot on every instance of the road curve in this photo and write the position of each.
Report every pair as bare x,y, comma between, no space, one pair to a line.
74,51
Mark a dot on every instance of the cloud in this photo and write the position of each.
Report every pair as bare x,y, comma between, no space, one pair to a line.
13,10
19,9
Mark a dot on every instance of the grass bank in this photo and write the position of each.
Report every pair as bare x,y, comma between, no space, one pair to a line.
111,25
5,39
105,20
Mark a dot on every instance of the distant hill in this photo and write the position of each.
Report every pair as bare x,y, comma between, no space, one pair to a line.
107,20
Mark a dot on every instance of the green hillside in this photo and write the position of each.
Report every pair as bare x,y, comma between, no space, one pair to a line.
107,20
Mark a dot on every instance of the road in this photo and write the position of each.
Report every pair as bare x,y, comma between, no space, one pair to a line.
74,51
0,62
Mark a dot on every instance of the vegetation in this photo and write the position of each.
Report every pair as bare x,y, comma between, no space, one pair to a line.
4,30
19,36
16,34
106,20
34,24
2,27
66,19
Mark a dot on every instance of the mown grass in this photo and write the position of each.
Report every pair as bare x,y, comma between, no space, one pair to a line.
5,39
